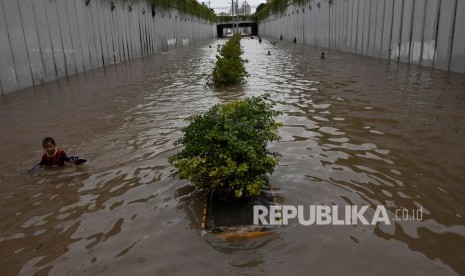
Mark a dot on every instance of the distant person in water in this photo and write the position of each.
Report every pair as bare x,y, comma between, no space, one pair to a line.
53,157
322,55
281,37
295,39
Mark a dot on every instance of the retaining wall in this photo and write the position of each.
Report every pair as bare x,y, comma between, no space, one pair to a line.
44,40
423,32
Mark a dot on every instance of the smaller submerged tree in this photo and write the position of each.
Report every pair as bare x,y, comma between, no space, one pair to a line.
229,68
225,148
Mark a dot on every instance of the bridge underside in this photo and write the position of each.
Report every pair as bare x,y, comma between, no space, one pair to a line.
221,27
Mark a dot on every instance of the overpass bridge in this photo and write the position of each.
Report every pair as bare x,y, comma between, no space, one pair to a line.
247,25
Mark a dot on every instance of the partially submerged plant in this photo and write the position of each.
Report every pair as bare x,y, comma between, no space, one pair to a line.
229,68
225,148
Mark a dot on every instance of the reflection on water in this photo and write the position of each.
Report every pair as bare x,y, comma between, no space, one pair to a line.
356,131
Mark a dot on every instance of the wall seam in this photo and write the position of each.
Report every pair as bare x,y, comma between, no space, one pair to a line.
100,34
38,40
382,30
411,32
423,33
89,42
367,53
453,35
401,30
390,36
436,34
113,34
51,45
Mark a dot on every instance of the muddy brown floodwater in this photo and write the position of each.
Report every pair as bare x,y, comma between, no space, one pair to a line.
357,131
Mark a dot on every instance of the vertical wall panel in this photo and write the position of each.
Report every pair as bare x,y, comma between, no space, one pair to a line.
345,26
32,41
97,35
378,35
18,45
105,10
429,32
326,23
337,24
458,48
102,37
143,25
396,29
154,32
353,20
445,31
417,31
331,25
387,29
366,26
65,36
133,32
8,78
123,15
45,40
55,36
75,35
84,43
308,26
115,34
360,17
406,31
423,32
338,20
90,28
373,8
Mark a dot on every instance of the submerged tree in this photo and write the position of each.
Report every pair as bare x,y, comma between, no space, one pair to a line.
225,148
229,68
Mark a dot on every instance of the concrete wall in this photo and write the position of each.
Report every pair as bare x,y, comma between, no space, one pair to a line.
44,40
423,32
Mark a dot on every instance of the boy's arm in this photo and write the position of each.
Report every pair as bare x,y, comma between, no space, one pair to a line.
67,159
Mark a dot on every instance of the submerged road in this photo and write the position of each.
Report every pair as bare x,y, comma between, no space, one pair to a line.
357,131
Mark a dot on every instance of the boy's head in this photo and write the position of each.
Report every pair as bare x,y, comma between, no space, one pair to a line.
49,145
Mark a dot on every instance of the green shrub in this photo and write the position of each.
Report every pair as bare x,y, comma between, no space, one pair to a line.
229,68
188,6
276,7
225,148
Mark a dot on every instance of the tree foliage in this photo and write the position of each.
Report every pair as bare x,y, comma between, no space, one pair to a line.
188,6
225,148
260,7
276,6
229,68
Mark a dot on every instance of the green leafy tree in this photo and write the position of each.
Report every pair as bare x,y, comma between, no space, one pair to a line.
229,68
260,7
188,6
225,148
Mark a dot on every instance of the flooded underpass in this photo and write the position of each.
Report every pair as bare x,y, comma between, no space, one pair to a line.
357,131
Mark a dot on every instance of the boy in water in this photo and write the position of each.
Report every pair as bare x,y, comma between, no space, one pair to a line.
53,157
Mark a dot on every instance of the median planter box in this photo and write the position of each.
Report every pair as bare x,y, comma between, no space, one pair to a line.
235,219
225,150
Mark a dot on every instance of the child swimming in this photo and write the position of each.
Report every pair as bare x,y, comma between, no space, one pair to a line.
53,157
